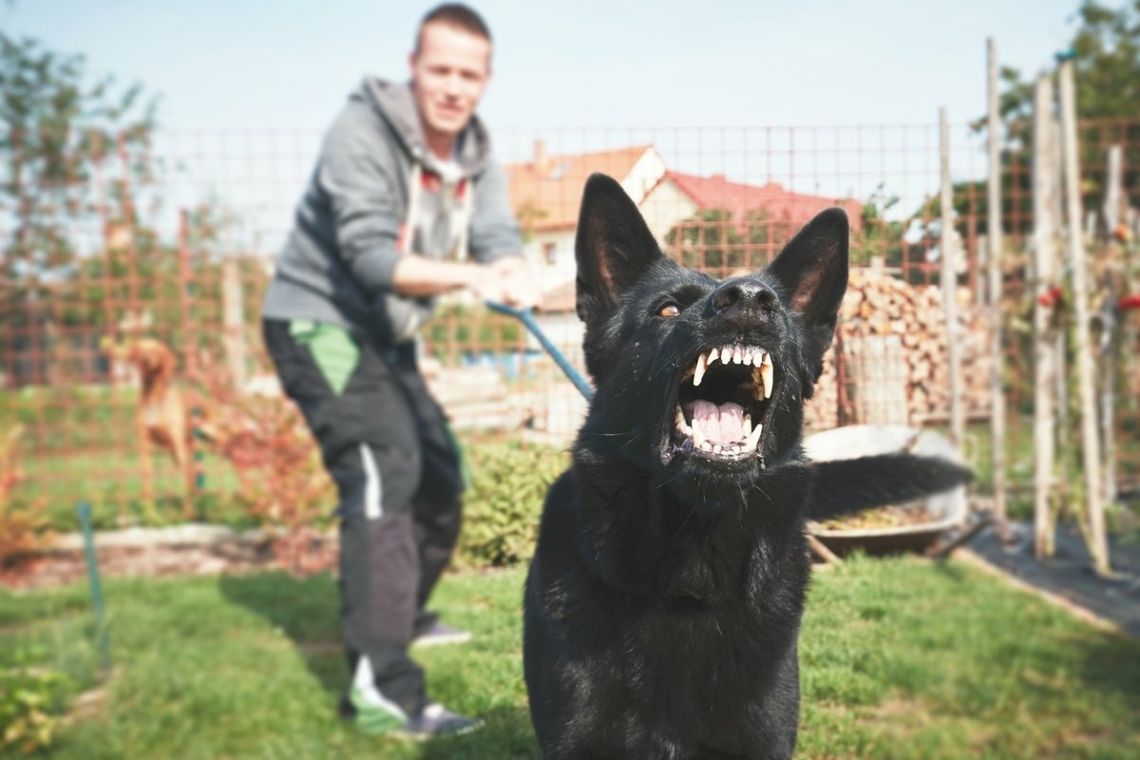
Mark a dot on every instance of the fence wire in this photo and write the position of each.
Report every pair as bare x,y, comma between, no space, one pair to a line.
172,240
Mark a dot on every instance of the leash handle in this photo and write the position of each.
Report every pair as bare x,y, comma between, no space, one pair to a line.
526,316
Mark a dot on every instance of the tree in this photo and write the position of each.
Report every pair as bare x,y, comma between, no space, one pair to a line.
56,134
1106,59
73,155
877,235
708,240
1106,62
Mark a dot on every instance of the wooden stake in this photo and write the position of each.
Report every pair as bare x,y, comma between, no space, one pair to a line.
994,280
1045,189
821,551
233,322
949,286
1111,327
1098,543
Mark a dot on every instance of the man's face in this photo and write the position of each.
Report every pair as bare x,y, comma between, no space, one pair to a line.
450,72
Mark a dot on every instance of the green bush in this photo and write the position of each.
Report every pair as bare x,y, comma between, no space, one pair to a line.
31,700
503,504
455,329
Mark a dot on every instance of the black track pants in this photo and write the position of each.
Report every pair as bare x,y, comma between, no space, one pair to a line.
386,444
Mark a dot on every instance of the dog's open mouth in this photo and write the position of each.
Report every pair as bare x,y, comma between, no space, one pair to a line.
723,402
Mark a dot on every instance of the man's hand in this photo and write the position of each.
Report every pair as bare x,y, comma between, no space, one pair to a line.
507,280
519,285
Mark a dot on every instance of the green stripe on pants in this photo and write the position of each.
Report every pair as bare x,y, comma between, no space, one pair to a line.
333,349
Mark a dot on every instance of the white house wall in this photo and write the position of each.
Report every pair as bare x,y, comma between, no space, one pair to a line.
664,207
563,270
642,178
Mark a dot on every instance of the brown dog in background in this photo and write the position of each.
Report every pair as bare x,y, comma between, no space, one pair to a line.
162,417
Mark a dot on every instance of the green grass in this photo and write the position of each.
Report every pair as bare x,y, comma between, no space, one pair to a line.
900,658
112,483
79,444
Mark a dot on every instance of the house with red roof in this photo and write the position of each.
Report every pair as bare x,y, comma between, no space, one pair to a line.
681,196
546,192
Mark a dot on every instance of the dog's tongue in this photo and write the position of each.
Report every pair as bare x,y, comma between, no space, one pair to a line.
723,424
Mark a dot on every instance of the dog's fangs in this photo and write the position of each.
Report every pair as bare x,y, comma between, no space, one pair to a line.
724,419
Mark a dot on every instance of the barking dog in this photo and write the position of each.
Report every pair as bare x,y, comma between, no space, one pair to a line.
664,600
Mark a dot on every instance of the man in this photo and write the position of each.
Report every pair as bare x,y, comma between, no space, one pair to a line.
404,188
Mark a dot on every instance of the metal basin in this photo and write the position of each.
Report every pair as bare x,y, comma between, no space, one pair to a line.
945,510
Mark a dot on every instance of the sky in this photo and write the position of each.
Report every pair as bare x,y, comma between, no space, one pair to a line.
290,63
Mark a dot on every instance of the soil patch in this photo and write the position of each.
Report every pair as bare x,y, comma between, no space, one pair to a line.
163,552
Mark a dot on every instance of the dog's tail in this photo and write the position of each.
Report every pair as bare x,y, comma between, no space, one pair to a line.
843,486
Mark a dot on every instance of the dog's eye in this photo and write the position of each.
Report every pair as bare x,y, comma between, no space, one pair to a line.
669,310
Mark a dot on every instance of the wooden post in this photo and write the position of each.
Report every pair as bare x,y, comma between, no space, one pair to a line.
994,281
1045,190
1111,327
1055,208
1090,448
949,286
233,322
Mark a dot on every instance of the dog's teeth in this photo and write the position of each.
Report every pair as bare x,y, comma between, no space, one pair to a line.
699,373
747,424
754,438
766,372
698,435
712,356
751,357
737,356
726,354
683,426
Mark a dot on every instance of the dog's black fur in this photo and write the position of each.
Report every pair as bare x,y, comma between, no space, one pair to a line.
664,600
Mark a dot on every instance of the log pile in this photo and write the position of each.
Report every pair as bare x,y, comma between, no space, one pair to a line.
893,338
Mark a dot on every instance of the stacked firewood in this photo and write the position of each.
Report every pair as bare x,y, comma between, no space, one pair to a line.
895,356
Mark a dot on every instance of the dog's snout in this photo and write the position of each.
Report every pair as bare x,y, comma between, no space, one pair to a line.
744,298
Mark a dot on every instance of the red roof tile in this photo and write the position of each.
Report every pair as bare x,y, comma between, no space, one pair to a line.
781,205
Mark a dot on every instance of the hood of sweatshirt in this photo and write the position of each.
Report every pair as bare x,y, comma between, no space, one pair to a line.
396,105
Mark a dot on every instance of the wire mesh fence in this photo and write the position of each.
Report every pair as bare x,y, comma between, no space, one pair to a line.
171,240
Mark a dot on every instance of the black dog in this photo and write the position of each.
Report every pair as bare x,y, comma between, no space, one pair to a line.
664,600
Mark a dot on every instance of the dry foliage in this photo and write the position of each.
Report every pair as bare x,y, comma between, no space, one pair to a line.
21,530
280,478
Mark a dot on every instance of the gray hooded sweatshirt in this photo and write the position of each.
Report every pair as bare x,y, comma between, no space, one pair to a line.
376,194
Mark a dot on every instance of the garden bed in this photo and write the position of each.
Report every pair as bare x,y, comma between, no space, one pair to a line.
183,550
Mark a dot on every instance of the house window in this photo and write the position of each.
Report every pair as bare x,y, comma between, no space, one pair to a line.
550,253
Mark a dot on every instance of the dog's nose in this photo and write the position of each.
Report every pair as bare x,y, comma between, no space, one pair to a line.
744,299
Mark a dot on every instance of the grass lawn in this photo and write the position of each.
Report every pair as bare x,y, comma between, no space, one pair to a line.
901,658
112,483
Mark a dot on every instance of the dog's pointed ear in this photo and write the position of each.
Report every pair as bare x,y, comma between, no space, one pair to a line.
812,273
613,246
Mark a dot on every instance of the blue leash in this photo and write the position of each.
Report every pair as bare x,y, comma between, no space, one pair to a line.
526,316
